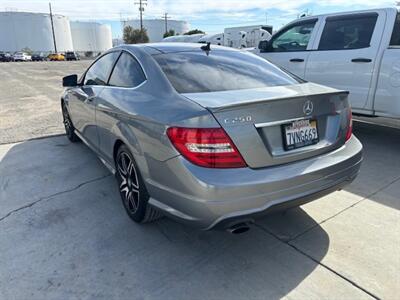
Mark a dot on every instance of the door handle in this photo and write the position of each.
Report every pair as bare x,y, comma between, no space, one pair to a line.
296,60
90,99
361,60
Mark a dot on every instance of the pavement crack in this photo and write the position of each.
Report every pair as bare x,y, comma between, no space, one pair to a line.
53,195
318,262
289,242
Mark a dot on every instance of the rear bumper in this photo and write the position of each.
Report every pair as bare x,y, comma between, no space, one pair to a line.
208,198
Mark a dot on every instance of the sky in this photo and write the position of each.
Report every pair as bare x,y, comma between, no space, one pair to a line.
207,15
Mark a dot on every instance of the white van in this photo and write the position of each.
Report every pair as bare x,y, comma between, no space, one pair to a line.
356,51
246,36
214,39
191,38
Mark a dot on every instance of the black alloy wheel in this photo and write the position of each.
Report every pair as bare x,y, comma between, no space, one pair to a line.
69,127
133,192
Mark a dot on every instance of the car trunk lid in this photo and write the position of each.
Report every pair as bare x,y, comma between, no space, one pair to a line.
256,120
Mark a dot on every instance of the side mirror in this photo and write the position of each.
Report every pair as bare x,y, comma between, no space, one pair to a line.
263,46
70,81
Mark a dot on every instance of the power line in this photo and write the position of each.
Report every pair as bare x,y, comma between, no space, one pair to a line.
165,16
52,28
141,3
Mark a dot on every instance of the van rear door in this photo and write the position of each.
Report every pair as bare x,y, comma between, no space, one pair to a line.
346,55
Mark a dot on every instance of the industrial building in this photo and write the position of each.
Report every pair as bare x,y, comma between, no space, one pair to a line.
156,27
91,36
33,31
22,30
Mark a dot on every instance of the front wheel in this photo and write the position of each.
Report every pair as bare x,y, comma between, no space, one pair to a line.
69,127
133,192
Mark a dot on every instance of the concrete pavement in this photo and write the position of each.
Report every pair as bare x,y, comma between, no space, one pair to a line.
30,98
64,234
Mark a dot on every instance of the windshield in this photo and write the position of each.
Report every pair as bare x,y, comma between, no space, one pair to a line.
197,72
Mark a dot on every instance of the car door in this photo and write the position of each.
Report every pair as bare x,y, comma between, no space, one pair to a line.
117,98
387,100
289,48
82,100
345,57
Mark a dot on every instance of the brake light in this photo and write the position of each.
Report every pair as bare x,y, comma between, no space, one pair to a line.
350,125
206,147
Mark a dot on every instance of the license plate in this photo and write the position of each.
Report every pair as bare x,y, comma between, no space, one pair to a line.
300,134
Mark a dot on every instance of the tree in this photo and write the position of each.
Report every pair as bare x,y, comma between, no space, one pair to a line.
194,31
170,32
135,36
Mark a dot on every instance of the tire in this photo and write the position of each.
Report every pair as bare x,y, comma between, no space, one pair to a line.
69,127
132,190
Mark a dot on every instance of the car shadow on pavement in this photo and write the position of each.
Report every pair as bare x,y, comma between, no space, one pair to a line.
381,165
64,233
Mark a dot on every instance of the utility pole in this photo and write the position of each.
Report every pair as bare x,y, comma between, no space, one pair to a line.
52,29
165,16
141,3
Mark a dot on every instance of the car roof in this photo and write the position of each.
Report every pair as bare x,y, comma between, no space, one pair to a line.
158,48
349,12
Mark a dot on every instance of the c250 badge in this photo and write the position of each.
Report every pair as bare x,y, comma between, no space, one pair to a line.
241,119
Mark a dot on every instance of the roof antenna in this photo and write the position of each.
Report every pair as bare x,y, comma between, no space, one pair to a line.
206,47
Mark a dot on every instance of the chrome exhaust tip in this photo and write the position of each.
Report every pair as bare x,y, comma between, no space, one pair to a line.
239,228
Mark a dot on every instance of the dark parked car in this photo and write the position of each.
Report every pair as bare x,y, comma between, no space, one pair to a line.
38,57
6,57
72,56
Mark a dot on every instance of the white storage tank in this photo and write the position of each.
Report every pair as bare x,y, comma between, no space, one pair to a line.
156,27
23,30
91,36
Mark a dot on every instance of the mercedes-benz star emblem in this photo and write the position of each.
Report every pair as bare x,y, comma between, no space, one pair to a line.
308,108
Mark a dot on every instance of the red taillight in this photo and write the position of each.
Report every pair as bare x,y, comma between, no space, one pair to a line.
350,125
206,147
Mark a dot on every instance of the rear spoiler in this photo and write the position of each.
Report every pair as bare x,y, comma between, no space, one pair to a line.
217,101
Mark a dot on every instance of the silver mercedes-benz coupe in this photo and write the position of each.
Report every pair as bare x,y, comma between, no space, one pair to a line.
211,136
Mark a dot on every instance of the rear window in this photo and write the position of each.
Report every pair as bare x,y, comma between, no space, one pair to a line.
395,41
348,32
199,72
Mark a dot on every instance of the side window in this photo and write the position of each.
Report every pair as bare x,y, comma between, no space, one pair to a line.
395,41
348,32
100,70
127,72
294,38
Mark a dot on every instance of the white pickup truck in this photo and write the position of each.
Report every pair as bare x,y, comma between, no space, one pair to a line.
356,51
